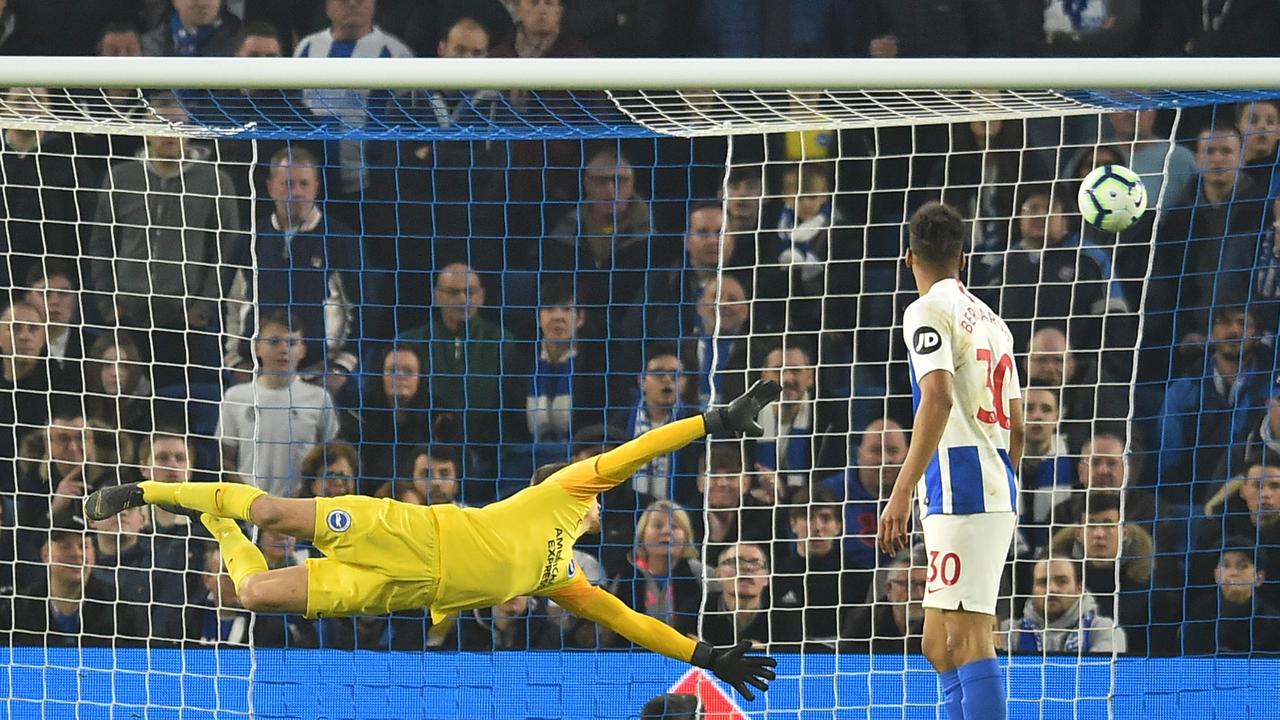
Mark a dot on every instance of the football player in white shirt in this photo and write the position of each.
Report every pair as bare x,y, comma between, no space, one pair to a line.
966,441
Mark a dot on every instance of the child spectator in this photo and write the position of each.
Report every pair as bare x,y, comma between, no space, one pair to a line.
1234,621
119,393
1047,472
267,425
813,574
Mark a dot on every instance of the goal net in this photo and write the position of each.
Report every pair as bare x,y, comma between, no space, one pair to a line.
429,294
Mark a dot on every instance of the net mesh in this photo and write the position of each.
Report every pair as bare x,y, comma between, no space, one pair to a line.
460,288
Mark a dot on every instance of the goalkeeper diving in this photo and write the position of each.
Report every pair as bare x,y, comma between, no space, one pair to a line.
382,555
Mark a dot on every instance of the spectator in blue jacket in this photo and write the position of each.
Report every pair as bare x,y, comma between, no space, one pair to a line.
1205,416
861,488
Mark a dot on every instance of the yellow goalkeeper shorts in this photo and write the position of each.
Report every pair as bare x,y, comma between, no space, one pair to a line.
380,556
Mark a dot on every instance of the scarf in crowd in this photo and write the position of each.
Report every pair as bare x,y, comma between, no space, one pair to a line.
1031,639
187,43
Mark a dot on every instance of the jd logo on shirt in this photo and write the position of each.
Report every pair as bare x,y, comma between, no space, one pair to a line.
926,340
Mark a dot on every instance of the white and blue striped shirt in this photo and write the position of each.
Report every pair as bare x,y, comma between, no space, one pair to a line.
349,105
949,329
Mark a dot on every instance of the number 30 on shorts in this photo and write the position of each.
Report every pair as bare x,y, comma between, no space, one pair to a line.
945,568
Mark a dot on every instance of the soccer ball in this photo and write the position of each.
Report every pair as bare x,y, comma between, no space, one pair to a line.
1112,198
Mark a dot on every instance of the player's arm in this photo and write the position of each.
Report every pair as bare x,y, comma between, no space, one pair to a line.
738,416
926,430
926,433
1017,432
733,666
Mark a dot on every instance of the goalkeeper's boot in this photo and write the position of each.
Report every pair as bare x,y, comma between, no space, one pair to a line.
108,501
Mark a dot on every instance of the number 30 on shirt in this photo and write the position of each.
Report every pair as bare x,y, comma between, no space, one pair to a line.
997,372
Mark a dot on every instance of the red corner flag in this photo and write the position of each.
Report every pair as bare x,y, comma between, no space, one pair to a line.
716,703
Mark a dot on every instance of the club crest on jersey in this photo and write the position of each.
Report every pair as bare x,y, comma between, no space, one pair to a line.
338,521
926,340
572,569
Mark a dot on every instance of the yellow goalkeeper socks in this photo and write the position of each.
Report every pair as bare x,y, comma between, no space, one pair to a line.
228,500
241,557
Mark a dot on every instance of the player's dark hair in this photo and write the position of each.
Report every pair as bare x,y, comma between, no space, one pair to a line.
936,235
671,706
545,471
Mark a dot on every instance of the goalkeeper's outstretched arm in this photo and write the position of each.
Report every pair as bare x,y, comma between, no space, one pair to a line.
738,416
733,665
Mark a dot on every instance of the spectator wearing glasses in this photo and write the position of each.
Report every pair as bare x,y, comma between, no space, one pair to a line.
664,393
666,309
465,355
268,425
894,624
743,608
330,470
604,240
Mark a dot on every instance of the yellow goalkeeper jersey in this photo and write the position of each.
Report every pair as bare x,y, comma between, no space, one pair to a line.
520,546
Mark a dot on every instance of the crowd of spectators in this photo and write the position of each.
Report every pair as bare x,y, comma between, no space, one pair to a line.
432,320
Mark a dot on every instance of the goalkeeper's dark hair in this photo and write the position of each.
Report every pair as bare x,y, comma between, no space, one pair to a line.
936,235
545,471
671,706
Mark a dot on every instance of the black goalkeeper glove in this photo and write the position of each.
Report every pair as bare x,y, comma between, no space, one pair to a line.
740,415
737,668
